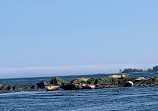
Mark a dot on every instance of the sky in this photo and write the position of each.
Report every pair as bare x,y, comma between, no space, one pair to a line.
64,37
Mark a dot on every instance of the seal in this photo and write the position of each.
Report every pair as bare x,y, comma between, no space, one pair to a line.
119,76
128,84
51,88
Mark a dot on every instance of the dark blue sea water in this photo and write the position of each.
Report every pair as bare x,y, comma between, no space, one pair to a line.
107,99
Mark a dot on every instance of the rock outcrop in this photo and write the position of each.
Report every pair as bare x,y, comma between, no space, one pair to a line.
146,82
57,81
16,87
42,84
86,83
22,87
70,87
5,87
80,83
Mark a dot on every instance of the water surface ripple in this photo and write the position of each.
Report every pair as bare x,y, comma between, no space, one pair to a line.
107,99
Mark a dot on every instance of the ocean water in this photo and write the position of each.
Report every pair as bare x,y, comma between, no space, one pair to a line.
107,99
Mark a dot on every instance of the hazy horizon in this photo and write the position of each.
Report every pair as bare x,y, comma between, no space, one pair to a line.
49,71
76,37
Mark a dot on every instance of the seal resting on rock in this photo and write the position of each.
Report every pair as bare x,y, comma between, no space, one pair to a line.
51,88
87,86
90,86
119,76
140,78
128,84
80,80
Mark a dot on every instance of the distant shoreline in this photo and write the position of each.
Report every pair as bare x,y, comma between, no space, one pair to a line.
75,75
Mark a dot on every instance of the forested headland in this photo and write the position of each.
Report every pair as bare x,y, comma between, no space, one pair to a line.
130,70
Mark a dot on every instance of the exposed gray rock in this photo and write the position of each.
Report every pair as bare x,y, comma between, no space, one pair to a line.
70,87
1,86
21,87
147,82
42,84
57,81
78,86
5,87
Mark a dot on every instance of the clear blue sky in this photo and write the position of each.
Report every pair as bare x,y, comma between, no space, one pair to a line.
42,33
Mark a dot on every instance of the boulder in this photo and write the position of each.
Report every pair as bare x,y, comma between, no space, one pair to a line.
57,81
78,86
128,84
42,84
16,87
5,87
1,86
70,87
103,82
21,87
31,87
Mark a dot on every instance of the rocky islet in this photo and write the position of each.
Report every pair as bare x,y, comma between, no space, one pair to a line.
58,83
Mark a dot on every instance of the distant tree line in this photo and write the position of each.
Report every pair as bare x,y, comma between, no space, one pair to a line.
128,70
